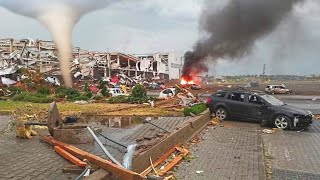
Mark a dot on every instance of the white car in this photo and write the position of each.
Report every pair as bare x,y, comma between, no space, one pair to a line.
116,92
277,89
167,93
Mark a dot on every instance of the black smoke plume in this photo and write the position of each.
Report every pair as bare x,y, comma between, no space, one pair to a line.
232,31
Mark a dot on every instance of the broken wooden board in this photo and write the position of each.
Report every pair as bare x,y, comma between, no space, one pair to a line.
167,168
69,157
114,169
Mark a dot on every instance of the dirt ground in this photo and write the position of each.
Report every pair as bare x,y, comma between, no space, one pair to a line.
39,112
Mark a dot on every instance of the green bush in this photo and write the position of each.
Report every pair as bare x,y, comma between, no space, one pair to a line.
119,99
87,88
138,91
102,84
81,97
128,99
97,97
31,97
43,90
137,100
70,93
14,90
105,92
196,109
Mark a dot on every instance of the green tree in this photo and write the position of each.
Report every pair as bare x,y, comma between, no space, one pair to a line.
138,91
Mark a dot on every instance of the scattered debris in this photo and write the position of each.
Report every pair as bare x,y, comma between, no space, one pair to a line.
165,163
268,131
25,131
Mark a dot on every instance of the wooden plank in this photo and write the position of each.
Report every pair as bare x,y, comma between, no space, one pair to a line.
69,157
175,161
159,161
114,169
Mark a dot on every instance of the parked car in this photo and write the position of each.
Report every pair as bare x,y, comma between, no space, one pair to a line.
259,107
154,86
192,86
169,92
252,84
277,89
116,92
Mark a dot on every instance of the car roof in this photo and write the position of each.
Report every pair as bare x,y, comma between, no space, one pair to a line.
242,91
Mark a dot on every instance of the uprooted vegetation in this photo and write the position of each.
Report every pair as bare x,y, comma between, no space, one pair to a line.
196,109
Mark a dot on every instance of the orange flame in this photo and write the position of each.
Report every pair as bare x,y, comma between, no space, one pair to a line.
184,81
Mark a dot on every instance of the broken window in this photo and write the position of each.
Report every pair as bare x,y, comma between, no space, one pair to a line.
255,99
236,97
221,94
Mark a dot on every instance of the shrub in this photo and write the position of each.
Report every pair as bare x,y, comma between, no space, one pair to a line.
43,90
137,100
102,84
31,97
89,95
119,99
86,88
196,109
14,90
70,93
81,97
128,99
138,91
105,92
97,97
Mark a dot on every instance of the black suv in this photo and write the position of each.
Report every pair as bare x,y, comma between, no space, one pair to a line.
259,107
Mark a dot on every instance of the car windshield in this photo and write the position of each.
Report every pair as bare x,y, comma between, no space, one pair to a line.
272,100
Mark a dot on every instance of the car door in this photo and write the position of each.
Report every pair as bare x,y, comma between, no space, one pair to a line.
283,89
256,108
238,106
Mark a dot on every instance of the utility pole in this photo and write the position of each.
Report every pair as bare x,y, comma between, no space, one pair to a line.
263,72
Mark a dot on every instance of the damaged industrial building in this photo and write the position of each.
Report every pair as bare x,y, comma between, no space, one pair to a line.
89,65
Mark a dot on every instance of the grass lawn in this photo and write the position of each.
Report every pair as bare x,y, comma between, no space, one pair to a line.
69,108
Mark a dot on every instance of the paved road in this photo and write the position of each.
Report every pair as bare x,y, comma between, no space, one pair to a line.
295,155
231,151
234,152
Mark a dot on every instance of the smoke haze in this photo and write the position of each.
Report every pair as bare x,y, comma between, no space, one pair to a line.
231,31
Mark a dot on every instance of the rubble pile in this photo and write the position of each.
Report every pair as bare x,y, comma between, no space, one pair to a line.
115,68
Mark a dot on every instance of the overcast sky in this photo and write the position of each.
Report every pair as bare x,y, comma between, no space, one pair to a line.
146,26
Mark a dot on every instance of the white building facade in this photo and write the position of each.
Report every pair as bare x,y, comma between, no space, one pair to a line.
170,63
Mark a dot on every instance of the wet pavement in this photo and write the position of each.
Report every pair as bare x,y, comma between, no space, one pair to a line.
295,154
232,150
30,159
34,159
4,120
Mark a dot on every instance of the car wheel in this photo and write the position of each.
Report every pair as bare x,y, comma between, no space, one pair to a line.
221,113
282,122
